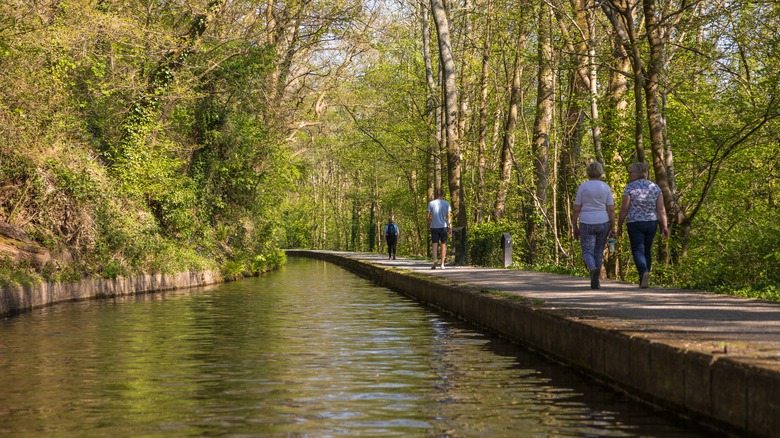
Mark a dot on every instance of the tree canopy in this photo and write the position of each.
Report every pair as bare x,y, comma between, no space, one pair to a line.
149,136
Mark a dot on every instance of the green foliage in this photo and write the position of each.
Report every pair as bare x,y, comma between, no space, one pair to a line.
248,264
264,263
297,227
140,137
73,271
114,269
769,293
136,143
484,243
17,274
78,182
232,270
747,259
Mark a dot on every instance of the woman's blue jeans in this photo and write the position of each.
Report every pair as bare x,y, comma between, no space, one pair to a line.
641,236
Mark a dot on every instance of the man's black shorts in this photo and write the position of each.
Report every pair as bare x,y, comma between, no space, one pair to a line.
439,235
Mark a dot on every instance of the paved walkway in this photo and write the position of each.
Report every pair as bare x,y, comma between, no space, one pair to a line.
700,321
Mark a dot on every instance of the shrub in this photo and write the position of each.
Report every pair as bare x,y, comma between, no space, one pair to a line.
744,261
484,243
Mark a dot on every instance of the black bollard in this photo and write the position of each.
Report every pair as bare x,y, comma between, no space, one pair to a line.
506,249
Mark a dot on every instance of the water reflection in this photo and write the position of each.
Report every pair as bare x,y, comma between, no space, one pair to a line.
309,350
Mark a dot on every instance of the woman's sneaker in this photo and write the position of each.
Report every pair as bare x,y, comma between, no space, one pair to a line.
594,279
645,282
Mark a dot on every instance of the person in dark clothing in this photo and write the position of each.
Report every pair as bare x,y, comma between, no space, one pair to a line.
391,236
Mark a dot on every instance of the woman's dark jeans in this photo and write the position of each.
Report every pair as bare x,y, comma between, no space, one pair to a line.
641,235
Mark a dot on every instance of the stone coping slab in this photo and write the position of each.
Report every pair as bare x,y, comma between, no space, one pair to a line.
23,298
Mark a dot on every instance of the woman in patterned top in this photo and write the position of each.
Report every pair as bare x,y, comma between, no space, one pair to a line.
642,210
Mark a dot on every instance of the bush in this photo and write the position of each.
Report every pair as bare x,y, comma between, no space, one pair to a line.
744,263
268,262
484,243
17,274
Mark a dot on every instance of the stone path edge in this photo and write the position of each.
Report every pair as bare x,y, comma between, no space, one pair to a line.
18,299
731,395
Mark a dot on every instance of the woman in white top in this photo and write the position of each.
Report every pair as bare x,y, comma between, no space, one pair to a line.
594,220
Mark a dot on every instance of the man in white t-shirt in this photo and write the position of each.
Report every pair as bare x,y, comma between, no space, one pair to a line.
439,216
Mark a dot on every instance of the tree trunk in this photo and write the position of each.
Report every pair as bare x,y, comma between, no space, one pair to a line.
622,15
584,83
464,95
505,166
571,154
545,105
654,115
432,106
449,83
593,86
482,123
616,114
639,79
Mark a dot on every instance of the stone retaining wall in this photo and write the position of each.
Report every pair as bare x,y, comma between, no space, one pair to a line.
727,394
23,298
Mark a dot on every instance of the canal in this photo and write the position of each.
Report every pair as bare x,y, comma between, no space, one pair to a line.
308,350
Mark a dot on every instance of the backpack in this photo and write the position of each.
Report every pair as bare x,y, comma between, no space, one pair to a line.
392,230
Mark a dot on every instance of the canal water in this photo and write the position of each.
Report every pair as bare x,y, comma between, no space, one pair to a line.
309,350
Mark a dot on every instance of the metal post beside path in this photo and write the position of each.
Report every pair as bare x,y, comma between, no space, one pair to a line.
506,249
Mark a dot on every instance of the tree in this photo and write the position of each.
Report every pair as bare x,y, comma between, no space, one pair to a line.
450,91
545,102
507,144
